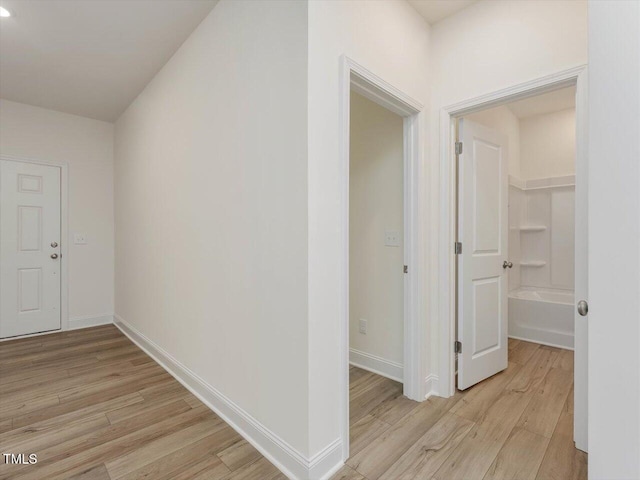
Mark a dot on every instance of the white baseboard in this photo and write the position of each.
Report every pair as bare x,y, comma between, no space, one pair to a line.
325,463
90,321
286,458
548,344
332,471
431,385
375,364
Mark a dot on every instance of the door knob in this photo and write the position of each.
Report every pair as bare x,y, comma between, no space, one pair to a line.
583,308
507,264
54,244
54,255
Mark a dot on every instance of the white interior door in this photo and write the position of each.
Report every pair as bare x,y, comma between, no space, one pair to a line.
29,248
483,230
581,272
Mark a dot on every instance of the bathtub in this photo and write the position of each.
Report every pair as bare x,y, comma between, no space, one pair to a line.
542,316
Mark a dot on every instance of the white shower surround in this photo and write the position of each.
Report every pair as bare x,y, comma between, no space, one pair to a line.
542,248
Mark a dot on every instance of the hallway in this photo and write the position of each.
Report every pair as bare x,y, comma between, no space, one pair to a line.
93,406
517,424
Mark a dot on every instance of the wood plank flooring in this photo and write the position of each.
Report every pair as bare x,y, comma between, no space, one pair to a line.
93,406
515,425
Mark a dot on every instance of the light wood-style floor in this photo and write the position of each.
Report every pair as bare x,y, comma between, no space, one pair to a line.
515,425
93,406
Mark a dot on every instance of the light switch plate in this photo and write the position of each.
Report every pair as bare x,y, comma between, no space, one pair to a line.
80,238
392,238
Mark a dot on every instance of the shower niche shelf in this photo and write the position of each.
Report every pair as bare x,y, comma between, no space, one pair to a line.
533,263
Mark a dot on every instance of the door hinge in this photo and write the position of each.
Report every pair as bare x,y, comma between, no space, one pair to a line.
457,347
458,148
406,269
458,248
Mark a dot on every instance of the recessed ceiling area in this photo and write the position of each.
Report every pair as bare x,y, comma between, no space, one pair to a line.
90,57
435,10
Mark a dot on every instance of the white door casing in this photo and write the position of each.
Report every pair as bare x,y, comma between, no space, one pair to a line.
30,284
483,231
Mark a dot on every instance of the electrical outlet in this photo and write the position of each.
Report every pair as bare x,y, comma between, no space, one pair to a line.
363,326
391,238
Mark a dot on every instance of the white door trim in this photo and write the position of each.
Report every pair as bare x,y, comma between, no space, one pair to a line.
64,237
366,83
446,288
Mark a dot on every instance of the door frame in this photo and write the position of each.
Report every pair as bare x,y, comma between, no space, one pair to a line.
64,239
447,287
359,79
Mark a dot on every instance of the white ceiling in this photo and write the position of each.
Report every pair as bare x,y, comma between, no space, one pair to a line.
435,10
90,57
547,103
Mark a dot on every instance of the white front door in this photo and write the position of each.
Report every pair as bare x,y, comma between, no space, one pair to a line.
483,230
29,248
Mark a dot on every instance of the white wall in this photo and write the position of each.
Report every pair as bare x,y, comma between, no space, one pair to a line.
614,230
211,211
486,47
86,145
375,206
548,145
392,40
494,44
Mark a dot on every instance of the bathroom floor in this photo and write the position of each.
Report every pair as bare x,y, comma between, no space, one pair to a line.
517,424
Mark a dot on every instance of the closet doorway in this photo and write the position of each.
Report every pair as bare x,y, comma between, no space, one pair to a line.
382,212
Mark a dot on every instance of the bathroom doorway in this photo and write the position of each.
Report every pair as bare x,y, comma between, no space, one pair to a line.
516,204
519,182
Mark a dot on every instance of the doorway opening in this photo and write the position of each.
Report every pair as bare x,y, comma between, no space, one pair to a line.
376,260
376,239
520,210
516,211
382,247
